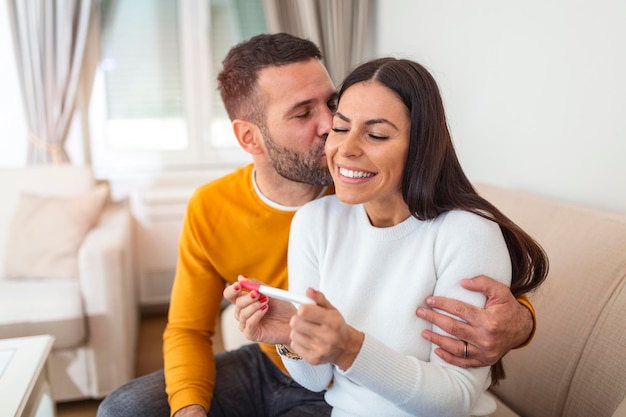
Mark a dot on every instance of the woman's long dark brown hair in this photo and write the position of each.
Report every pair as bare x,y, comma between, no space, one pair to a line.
434,182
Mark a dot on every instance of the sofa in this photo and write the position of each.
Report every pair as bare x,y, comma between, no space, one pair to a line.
576,364
66,270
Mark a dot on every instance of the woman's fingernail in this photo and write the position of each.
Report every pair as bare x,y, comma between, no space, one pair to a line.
263,299
236,286
264,307
253,295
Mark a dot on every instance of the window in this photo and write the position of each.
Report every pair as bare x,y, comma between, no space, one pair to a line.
155,102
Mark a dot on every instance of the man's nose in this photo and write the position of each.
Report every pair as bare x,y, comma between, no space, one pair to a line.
325,123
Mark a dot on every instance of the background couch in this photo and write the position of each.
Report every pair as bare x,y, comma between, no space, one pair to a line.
576,364
65,270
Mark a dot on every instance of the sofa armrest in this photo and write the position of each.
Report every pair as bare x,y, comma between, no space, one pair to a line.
108,290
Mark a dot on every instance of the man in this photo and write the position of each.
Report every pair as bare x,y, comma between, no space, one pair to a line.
280,100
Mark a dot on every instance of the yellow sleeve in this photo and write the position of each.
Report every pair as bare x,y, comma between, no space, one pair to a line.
523,300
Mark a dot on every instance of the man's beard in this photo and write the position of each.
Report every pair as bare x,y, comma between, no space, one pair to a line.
308,169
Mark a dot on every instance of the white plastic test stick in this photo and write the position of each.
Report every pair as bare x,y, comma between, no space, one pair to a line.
277,293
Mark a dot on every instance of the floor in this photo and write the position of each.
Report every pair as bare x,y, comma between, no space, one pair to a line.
149,358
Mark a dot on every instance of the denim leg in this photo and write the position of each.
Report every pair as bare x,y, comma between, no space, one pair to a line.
236,389
248,384
141,397
290,399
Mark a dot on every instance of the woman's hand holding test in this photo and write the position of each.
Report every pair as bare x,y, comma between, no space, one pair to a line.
320,334
261,318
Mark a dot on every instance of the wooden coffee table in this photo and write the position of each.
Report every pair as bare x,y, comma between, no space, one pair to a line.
24,384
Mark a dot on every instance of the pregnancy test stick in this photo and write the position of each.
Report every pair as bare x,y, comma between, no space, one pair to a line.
276,293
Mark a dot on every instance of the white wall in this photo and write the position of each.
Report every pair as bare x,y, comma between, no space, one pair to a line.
535,90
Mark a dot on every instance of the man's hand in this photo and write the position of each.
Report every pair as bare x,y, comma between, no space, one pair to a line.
194,410
490,332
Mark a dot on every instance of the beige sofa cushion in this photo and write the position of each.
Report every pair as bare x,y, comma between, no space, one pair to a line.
32,307
600,376
46,232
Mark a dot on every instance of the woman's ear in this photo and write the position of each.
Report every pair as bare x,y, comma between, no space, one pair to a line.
248,135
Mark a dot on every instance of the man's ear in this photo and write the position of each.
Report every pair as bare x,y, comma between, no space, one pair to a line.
248,135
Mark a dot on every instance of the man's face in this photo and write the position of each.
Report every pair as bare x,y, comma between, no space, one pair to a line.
300,100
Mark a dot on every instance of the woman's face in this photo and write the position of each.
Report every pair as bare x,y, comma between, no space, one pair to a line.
367,149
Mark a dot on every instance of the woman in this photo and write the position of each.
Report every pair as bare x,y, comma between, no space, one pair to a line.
405,223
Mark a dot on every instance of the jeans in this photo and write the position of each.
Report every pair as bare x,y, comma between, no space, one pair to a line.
247,384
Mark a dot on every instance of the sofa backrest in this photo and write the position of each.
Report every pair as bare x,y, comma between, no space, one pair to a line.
42,180
576,364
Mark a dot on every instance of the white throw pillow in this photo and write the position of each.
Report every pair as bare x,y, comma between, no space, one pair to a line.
46,233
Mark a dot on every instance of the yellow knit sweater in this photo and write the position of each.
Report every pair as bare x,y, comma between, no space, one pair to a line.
228,230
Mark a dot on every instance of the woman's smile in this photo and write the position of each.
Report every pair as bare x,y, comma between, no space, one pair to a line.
348,174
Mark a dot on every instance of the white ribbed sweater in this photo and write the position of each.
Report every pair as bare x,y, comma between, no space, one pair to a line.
377,277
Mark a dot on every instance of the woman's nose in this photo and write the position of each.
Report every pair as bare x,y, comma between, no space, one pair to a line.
349,145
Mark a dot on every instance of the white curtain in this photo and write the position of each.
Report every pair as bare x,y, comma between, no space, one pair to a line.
49,38
338,27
